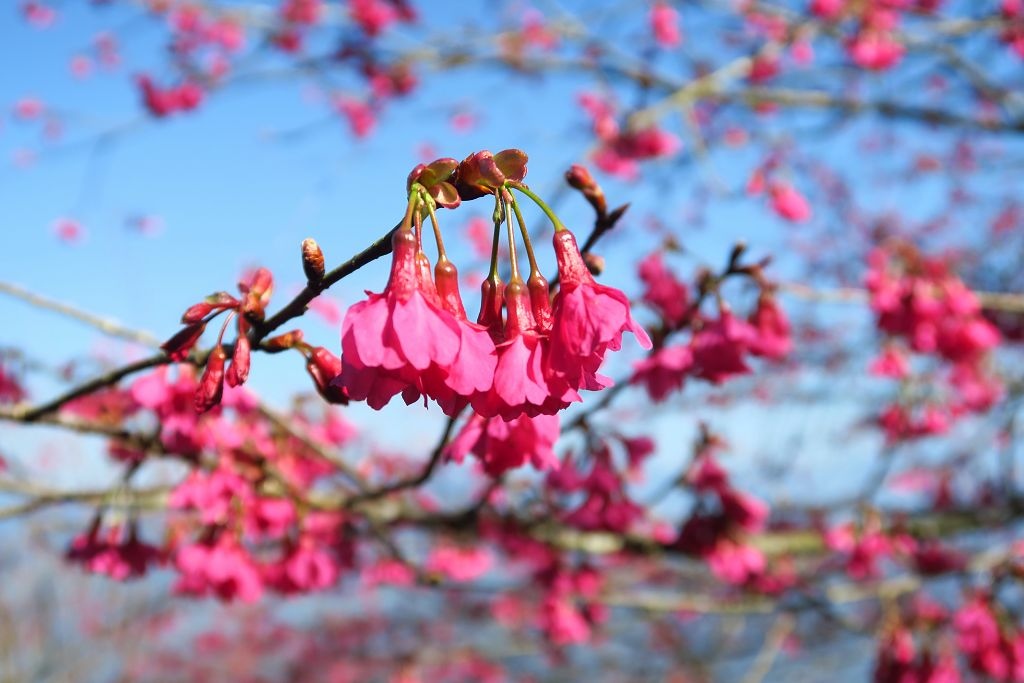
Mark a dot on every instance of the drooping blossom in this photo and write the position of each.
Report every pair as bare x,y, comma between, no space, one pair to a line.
588,320
891,363
523,383
161,102
502,445
664,292
222,568
789,203
770,330
606,504
665,25
114,553
459,564
621,150
664,371
720,347
404,341
875,45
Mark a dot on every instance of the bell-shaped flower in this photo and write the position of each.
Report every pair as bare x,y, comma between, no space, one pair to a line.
405,340
588,320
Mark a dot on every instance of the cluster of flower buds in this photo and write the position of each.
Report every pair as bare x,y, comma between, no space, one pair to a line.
250,308
719,347
526,354
161,102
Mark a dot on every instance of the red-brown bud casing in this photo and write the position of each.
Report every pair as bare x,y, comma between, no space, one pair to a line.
211,384
178,346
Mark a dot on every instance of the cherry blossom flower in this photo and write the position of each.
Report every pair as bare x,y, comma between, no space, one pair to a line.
403,341
589,319
665,25
502,445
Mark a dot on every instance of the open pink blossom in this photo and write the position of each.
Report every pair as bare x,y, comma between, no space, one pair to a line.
588,320
720,347
502,445
404,341
664,371
459,564
222,568
664,292
771,336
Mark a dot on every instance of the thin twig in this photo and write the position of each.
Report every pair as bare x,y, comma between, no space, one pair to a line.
105,325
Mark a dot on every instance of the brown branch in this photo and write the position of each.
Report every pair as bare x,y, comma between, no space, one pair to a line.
293,309
32,414
412,482
297,306
153,498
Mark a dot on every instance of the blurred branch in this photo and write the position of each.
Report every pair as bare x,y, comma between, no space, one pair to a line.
995,301
105,325
773,643
153,498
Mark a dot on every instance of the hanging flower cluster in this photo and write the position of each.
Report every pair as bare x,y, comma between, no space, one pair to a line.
928,311
526,353
256,288
720,346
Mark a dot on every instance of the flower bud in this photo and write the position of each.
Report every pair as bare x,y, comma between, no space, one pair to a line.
540,301
211,384
216,301
595,263
580,179
257,288
312,261
323,366
283,342
178,346
491,293
196,312
446,277
239,370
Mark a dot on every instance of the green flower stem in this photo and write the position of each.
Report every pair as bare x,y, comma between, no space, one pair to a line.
441,256
512,257
493,274
534,270
559,226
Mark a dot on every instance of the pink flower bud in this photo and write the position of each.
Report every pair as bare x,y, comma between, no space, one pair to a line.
178,346
196,312
323,366
579,178
211,384
239,370
257,288
540,301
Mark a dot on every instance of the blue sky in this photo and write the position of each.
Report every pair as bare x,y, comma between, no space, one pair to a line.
236,184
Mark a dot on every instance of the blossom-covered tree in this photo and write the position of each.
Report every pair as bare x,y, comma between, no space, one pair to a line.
697,356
